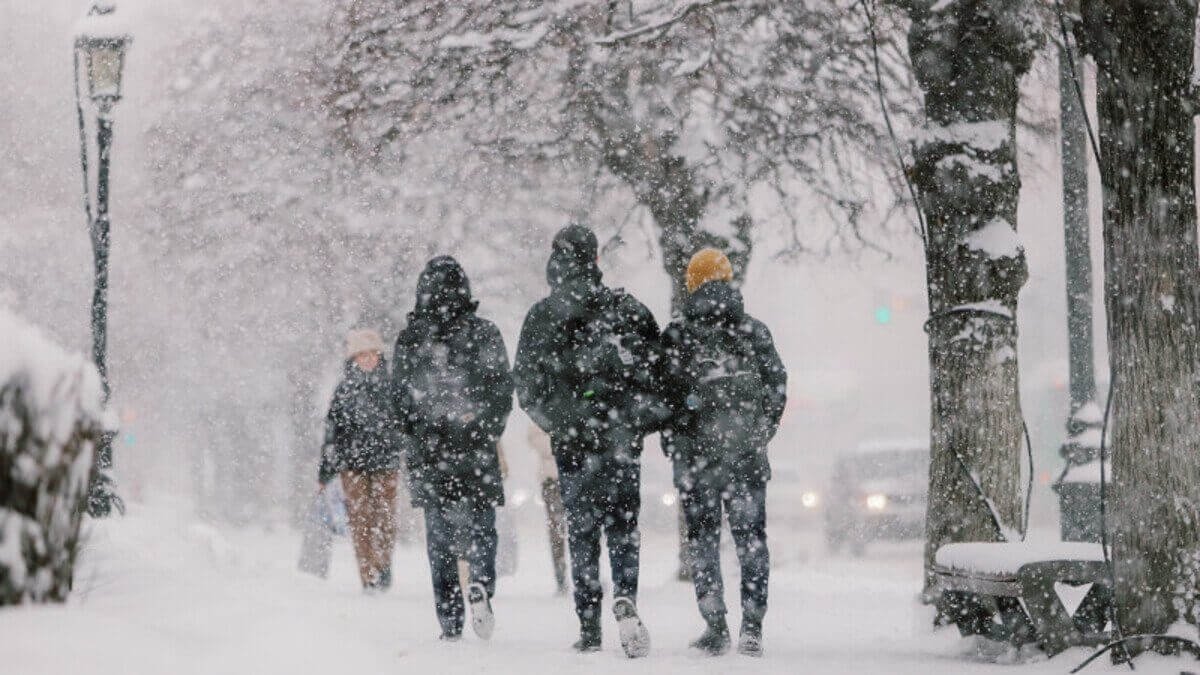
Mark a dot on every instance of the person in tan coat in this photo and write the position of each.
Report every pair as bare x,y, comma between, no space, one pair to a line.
556,524
363,445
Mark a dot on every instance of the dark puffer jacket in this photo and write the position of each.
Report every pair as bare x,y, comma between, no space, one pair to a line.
715,310
453,391
362,433
586,365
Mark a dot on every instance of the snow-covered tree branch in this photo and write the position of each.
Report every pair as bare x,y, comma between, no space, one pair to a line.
690,106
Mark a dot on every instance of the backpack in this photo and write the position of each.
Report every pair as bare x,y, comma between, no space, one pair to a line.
442,376
725,400
604,356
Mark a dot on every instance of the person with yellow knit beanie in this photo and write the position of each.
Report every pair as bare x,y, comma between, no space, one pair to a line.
726,387
708,264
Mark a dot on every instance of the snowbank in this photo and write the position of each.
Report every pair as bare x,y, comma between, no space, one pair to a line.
51,409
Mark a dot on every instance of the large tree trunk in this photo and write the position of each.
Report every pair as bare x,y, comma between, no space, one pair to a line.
968,56
1144,57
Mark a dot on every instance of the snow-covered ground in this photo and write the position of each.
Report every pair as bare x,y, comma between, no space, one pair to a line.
160,592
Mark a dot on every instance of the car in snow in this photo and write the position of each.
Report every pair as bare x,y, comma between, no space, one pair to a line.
793,498
878,492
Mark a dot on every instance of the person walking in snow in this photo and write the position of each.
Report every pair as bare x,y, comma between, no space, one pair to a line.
726,387
363,444
556,524
453,393
585,374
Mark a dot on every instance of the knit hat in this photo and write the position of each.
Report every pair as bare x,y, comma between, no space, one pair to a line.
707,265
362,340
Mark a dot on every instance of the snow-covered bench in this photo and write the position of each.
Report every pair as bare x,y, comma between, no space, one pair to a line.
1020,583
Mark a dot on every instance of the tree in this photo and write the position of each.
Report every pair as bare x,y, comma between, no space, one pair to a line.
281,241
1145,103
968,57
51,418
245,221
687,107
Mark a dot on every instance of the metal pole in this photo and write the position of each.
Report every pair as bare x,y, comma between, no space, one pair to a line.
101,499
1078,491
1078,250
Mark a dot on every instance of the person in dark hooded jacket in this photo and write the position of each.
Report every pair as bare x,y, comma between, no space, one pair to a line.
727,388
363,444
585,373
453,393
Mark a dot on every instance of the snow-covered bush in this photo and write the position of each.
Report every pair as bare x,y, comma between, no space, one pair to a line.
51,414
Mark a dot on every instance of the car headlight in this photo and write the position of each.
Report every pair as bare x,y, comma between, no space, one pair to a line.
810,500
877,502
668,499
519,497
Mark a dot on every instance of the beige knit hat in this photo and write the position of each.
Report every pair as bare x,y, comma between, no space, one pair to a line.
362,340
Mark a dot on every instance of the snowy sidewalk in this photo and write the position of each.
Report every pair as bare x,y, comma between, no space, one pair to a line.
162,594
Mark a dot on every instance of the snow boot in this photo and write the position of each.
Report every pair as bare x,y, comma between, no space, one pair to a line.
450,637
750,641
384,581
635,639
589,637
483,621
715,640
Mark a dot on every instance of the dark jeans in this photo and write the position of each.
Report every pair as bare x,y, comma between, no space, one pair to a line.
745,505
602,495
459,530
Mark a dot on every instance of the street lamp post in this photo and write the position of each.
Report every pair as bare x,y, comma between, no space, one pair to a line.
100,48
1078,486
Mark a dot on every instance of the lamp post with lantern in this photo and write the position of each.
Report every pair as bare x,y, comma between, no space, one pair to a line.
100,47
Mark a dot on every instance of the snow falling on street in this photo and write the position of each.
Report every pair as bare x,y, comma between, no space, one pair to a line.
821,273
160,592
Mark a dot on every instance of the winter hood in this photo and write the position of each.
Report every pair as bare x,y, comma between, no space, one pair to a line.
443,292
715,301
573,259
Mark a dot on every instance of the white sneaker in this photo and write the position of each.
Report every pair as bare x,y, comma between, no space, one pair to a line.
635,639
483,621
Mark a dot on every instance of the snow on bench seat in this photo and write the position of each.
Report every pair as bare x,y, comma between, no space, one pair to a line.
1007,558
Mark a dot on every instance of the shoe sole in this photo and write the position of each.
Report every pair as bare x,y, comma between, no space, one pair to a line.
635,639
483,621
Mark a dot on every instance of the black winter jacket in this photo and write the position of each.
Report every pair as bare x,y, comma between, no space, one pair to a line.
453,391
361,430
717,305
586,364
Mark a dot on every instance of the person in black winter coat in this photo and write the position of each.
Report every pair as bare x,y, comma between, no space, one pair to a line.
727,388
363,443
453,393
585,374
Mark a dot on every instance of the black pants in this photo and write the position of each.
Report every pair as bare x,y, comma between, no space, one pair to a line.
453,531
602,495
745,505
